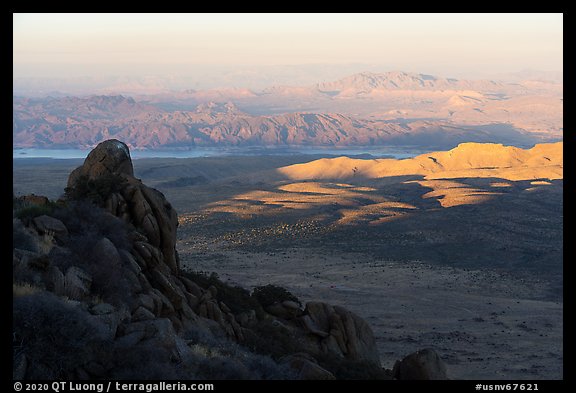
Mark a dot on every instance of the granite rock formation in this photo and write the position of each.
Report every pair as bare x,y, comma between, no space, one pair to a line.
112,270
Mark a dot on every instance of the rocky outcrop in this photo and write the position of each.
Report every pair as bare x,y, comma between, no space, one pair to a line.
147,209
135,295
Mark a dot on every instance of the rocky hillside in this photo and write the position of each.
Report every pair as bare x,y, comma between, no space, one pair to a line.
99,293
85,122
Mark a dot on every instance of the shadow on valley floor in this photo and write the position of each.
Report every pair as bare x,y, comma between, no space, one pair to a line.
514,227
471,267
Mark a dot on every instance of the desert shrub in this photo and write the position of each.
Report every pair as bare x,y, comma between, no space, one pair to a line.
184,182
143,362
87,224
222,368
27,269
264,367
26,208
236,298
219,358
29,212
46,241
108,282
243,366
203,279
30,269
95,190
239,299
83,217
24,289
21,274
22,238
269,294
55,337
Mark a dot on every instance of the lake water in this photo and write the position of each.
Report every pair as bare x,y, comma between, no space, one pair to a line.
375,152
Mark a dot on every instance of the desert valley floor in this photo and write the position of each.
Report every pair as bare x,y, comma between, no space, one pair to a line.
469,266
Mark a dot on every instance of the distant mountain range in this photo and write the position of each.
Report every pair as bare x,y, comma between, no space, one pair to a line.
395,108
367,82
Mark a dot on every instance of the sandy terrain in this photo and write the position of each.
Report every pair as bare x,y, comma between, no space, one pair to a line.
469,266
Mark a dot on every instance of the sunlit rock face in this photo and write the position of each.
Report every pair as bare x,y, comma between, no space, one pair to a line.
109,157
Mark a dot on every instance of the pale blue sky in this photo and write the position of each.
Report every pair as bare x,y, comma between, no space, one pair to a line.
100,44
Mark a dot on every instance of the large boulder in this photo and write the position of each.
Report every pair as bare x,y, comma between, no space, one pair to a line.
341,332
421,365
109,157
50,225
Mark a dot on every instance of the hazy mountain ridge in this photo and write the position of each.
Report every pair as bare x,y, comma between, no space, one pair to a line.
209,124
111,106
211,78
83,122
397,80
361,109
